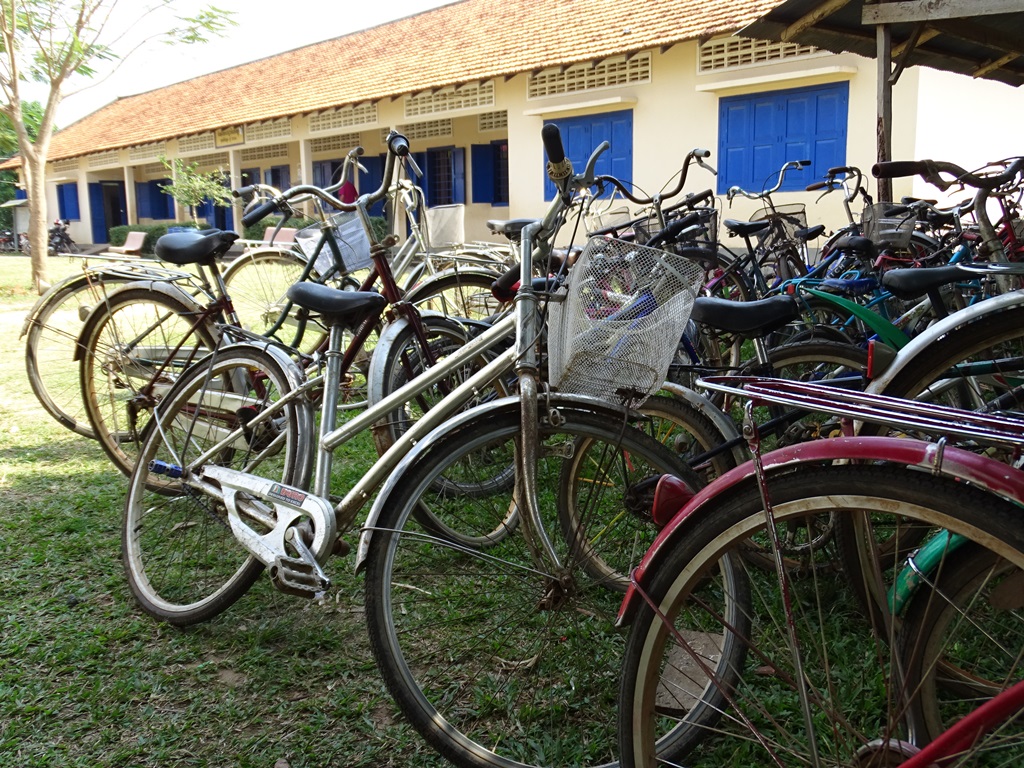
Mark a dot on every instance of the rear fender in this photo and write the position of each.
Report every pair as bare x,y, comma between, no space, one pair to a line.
981,471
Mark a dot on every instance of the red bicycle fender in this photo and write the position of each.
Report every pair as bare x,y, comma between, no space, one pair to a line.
982,471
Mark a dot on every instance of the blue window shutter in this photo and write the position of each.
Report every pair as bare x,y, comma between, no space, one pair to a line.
67,201
371,180
581,135
760,132
143,200
423,181
459,175
482,162
162,204
20,194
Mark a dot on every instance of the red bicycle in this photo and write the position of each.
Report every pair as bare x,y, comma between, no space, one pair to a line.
730,662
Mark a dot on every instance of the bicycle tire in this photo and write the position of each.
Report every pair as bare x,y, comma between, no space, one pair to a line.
465,294
52,328
960,639
403,358
257,283
123,349
673,423
855,689
183,564
486,657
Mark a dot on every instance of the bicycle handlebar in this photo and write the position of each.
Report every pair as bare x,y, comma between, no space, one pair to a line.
694,155
931,170
398,146
737,191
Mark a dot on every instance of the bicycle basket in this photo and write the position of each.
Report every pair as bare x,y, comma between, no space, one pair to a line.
618,329
785,219
353,244
887,231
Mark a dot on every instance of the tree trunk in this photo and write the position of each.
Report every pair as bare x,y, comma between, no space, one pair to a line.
37,221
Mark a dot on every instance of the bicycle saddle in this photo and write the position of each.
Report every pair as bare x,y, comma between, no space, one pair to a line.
336,306
510,228
911,283
748,318
194,247
746,228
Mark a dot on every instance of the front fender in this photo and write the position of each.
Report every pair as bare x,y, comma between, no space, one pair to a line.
165,287
982,471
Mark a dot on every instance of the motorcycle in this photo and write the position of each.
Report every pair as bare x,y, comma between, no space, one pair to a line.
60,241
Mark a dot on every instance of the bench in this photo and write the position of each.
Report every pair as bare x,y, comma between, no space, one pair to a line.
132,245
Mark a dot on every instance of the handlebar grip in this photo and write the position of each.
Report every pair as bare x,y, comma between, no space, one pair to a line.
699,197
260,212
358,151
244,192
702,153
803,163
504,288
398,144
840,169
893,169
817,185
552,138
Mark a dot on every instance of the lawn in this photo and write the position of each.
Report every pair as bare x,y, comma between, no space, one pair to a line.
86,679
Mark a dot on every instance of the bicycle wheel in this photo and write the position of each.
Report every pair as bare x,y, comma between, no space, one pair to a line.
971,367
401,359
494,659
257,283
51,333
820,680
132,352
456,294
673,423
182,561
960,639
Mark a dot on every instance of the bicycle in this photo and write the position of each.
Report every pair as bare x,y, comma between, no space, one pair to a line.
729,661
135,344
201,484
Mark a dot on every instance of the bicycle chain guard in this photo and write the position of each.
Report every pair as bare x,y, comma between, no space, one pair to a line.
280,508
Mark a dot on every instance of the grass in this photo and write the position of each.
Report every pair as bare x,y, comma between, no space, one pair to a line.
86,679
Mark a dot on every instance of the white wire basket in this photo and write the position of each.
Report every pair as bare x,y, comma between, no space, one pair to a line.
618,329
353,244
887,231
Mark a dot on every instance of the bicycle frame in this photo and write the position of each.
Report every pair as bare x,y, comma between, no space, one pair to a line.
225,485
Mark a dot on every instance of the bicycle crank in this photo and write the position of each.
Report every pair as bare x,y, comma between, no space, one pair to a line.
300,528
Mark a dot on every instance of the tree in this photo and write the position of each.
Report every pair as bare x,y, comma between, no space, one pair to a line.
190,187
58,43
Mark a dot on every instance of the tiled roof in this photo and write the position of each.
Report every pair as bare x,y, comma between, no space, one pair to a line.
462,42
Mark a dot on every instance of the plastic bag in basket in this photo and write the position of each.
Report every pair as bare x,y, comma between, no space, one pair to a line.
618,330
353,244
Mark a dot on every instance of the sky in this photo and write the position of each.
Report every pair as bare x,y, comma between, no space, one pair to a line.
265,27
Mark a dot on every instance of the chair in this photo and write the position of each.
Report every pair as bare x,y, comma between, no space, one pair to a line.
132,245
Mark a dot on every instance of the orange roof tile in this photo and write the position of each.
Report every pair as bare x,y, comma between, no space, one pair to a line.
462,42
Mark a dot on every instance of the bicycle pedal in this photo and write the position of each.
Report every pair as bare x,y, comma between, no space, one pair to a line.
295,576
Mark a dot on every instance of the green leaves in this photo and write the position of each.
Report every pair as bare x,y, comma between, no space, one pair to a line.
191,186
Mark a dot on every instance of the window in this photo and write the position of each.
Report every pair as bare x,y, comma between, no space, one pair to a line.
581,135
490,172
758,133
152,201
444,175
278,176
250,176
67,201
